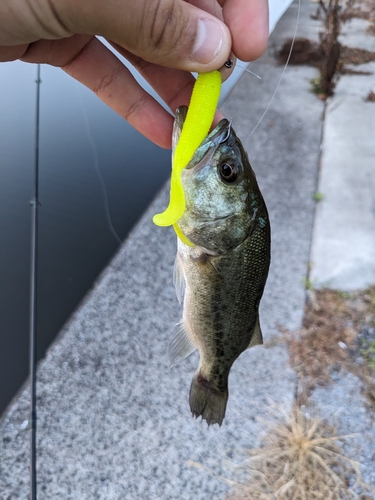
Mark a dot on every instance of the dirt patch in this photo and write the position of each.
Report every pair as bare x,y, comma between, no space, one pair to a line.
356,56
350,71
371,29
325,340
307,52
370,97
338,334
304,52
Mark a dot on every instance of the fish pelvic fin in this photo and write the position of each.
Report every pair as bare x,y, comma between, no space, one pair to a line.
180,346
257,338
207,401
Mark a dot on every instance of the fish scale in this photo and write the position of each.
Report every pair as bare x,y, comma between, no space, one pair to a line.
225,271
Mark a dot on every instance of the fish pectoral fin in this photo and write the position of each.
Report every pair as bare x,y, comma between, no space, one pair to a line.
180,346
215,270
179,279
257,338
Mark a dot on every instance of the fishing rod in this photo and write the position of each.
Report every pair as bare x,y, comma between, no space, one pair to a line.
33,296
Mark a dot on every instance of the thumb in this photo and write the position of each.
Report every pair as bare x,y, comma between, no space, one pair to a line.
171,33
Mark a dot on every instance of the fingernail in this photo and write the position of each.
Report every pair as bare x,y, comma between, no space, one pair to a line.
209,41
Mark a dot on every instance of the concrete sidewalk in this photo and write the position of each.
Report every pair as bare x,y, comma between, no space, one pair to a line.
114,420
343,254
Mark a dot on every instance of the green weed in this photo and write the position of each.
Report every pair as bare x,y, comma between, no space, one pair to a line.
318,196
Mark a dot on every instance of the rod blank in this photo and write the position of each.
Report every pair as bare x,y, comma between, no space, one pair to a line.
33,298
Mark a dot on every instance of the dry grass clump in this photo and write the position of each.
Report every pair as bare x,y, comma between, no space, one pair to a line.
300,459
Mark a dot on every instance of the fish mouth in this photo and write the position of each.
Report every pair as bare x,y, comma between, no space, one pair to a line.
209,145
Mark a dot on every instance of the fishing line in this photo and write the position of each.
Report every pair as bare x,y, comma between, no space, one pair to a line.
282,74
103,187
33,295
248,71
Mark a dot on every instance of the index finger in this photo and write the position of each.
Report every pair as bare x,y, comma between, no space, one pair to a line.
247,21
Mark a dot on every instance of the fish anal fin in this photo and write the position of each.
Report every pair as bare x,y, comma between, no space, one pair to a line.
180,346
257,338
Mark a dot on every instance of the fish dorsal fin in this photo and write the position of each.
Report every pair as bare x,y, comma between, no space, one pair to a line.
257,338
180,346
178,278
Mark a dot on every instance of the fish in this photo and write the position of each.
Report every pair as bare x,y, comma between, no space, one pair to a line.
221,276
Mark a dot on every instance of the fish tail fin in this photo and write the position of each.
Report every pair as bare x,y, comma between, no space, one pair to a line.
207,401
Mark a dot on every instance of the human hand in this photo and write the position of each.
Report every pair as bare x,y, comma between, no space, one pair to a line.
164,39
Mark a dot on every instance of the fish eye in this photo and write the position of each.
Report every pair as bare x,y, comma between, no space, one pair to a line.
229,171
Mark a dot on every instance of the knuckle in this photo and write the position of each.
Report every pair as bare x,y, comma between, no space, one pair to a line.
12,53
107,81
141,65
136,107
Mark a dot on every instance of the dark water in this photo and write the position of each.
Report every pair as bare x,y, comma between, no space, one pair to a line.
79,135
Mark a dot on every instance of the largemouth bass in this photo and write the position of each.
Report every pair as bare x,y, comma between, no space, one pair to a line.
222,277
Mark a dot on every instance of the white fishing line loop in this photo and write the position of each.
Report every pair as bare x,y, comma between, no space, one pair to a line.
282,74
248,71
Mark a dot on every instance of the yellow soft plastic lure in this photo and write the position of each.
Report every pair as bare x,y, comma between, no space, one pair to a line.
201,111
